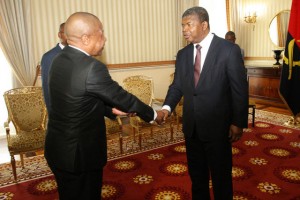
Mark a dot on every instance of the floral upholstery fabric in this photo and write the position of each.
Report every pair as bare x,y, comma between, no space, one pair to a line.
141,87
26,109
27,141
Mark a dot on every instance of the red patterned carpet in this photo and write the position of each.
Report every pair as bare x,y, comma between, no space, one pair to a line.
266,167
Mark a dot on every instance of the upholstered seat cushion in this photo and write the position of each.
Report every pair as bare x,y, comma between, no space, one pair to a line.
25,141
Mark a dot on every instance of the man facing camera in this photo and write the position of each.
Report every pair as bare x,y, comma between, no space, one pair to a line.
230,36
82,93
210,75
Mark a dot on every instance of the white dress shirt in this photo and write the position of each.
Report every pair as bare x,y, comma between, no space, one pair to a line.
205,44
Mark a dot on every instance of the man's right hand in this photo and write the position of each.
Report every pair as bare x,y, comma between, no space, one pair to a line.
160,118
166,114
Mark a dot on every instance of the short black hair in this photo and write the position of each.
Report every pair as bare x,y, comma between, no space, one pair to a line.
230,33
199,11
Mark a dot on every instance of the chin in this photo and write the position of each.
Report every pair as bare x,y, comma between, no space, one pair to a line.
190,41
99,53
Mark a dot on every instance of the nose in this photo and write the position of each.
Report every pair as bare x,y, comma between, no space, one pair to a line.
184,29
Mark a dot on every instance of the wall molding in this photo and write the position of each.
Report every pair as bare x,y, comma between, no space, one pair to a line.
140,64
259,58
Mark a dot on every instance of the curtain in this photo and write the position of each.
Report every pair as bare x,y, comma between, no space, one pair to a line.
234,16
16,39
234,8
282,21
228,14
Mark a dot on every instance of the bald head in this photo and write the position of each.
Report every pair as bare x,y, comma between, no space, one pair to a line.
84,30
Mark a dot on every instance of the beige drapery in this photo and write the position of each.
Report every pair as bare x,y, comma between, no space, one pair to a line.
234,17
282,28
15,39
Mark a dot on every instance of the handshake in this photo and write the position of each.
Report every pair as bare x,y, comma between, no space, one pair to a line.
162,116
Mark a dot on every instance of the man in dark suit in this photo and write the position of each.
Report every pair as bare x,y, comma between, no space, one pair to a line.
81,94
230,36
47,60
215,108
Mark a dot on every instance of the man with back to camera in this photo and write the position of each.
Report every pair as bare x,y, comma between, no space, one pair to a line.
210,75
81,94
47,60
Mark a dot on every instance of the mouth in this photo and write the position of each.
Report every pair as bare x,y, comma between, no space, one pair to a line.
186,36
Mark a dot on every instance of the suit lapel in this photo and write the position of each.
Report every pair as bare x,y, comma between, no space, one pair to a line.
190,63
210,57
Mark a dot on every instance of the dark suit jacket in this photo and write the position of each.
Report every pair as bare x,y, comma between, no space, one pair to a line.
46,63
221,96
81,94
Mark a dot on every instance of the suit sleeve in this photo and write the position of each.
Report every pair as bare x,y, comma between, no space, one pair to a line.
239,87
100,83
174,93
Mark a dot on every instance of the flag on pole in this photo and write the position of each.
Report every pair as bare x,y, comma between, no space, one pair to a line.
290,75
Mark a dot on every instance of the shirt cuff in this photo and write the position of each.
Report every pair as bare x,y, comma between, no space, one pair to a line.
155,115
166,107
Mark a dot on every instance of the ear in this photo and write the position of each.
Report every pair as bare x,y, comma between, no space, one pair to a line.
205,25
85,40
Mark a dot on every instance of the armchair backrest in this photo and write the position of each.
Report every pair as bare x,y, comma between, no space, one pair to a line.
26,108
140,86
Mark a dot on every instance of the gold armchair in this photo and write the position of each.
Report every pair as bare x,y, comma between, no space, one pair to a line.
27,112
142,87
114,131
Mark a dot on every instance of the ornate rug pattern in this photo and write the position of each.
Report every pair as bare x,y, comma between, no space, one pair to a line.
266,166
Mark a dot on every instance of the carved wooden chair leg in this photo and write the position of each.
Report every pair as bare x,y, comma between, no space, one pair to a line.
253,116
121,145
171,131
22,159
13,165
177,118
133,131
151,131
140,141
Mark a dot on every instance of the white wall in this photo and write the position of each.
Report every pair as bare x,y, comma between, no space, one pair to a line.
160,75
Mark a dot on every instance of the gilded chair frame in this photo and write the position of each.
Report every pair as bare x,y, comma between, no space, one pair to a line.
143,88
27,112
114,130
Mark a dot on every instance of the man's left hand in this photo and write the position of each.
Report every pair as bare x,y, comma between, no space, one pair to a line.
235,133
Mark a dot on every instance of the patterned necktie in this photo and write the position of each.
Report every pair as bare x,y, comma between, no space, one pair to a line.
197,66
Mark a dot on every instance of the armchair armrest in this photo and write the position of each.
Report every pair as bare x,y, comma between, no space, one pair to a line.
7,129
